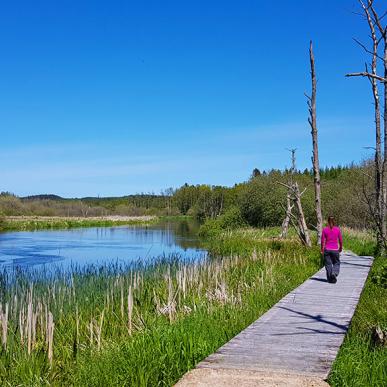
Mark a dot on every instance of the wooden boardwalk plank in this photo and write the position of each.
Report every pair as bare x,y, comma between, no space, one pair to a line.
302,333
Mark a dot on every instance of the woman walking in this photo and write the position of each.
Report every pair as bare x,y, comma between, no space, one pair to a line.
331,247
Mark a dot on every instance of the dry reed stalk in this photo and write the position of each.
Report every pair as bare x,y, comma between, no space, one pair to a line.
15,303
99,333
29,327
50,332
46,320
21,325
130,309
77,323
73,287
91,332
34,319
4,325
122,301
157,301
171,299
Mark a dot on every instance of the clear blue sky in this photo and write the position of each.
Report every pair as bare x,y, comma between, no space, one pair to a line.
118,97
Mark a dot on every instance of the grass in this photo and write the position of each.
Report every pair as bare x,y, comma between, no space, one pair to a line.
139,325
361,361
31,223
149,324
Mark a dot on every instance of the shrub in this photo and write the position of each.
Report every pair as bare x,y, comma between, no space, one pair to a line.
230,220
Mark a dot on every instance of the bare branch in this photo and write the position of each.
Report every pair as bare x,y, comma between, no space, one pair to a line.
364,47
368,75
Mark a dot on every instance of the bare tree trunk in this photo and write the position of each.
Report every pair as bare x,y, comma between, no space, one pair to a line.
379,215
303,228
378,145
383,32
294,200
286,221
315,159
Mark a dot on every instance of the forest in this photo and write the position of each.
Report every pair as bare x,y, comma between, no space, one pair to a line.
261,200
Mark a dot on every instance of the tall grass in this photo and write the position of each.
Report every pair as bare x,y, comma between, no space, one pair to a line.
138,324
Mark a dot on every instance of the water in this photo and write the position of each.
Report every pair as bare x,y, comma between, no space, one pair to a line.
99,245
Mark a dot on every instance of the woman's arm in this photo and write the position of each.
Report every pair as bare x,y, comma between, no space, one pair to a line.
322,242
340,241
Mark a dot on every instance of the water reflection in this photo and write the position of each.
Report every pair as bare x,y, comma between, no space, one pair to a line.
100,245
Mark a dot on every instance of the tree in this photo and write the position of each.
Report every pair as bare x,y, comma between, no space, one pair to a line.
377,207
293,200
312,119
256,172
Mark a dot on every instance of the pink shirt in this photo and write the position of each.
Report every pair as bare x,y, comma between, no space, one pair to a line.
330,238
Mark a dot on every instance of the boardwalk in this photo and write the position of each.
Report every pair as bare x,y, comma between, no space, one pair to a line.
296,341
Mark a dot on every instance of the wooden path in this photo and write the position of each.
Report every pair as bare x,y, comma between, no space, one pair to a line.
296,341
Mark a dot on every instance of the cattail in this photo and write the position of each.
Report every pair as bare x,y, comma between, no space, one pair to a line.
130,309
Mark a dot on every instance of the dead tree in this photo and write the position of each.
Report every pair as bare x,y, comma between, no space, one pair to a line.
294,201
378,35
302,228
312,119
289,205
288,214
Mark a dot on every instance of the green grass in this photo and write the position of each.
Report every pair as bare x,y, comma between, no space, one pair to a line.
362,362
181,313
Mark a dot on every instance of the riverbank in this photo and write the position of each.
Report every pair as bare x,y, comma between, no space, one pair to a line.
30,223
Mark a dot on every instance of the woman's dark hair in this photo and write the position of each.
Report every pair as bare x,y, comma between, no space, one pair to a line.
331,221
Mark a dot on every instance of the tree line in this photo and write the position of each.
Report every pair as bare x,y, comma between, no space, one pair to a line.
260,200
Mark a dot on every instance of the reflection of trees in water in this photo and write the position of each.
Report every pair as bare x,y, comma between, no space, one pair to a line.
182,233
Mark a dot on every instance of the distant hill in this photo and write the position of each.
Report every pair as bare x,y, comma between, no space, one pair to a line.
43,197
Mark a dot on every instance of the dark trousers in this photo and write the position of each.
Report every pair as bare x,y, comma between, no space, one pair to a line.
332,263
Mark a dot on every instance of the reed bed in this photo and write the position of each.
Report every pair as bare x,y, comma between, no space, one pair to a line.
137,324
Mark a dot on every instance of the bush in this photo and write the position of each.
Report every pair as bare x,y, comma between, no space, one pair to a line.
379,276
230,220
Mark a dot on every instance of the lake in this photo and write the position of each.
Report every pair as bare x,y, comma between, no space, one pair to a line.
100,245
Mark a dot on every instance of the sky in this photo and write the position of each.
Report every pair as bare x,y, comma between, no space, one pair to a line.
112,98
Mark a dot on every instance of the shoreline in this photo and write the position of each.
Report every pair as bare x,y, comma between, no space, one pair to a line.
31,223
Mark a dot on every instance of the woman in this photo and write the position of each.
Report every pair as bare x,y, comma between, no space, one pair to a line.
331,247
